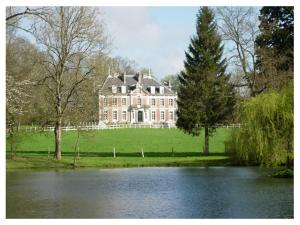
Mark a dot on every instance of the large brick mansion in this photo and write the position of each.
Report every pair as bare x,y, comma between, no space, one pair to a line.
136,99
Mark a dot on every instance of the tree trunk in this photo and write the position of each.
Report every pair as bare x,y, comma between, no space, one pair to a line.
206,142
76,148
57,132
11,137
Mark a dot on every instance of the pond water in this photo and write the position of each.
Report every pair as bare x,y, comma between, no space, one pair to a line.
214,192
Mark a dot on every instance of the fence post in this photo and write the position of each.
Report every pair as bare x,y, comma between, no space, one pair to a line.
114,152
49,152
142,153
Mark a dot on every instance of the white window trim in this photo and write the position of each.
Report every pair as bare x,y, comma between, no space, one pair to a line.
161,90
123,100
113,101
171,111
171,100
105,101
161,116
139,103
162,100
114,89
153,99
154,115
125,115
123,89
113,119
105,119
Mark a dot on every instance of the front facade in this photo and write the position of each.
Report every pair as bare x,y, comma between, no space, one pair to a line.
136,99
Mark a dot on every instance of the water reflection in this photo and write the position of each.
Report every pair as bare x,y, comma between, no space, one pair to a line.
228,192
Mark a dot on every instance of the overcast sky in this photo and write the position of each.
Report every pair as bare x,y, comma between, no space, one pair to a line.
154,37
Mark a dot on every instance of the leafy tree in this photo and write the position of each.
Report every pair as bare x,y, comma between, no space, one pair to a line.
205,97
275,45
268,129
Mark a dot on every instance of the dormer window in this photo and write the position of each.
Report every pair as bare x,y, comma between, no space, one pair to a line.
161,90
114,89
123,89
152,90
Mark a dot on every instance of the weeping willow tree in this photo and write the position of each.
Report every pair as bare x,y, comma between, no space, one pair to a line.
267,134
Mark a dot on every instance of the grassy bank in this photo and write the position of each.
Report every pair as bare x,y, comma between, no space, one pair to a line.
161,147
109,162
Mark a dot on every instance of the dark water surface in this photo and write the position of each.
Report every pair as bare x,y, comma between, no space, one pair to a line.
215,192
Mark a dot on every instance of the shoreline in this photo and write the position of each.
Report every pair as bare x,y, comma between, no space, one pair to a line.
22,163
41,164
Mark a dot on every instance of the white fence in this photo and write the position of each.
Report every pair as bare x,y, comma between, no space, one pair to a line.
94,126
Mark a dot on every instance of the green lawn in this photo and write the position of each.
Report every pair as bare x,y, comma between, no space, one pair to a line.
96,148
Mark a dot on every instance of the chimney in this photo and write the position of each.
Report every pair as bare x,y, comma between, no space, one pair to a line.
124,78
139,76
170,86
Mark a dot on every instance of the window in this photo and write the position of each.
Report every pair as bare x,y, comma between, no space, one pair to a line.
162,115
124,115
153,101
114,102
152,90
153,115
123,101
123,89
114,89
161,90
105,115
115,116
170,102
171,115
105,101
139,102
162,102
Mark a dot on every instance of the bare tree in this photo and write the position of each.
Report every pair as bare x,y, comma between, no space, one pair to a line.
15,15
68,37
239,27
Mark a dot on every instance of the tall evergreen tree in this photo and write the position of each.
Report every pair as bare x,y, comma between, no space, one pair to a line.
275,45
205,97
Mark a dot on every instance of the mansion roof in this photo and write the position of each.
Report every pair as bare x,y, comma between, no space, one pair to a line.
132,82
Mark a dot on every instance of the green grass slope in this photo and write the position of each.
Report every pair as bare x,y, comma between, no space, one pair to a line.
162,147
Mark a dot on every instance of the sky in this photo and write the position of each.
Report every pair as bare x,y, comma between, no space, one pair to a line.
154,37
